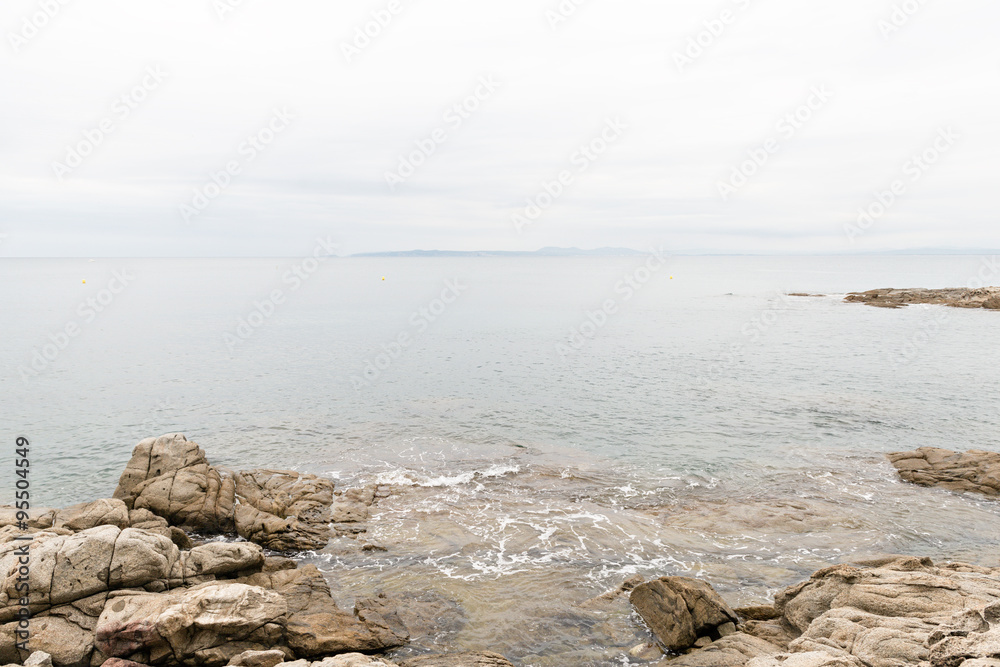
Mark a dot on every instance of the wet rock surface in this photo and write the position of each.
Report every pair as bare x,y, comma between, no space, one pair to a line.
958,297
975,471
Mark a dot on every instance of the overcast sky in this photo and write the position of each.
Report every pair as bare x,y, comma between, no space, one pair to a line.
184,84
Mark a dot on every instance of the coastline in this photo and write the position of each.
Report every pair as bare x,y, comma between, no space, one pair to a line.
170,484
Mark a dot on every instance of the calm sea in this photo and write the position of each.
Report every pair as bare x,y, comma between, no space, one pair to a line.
549,425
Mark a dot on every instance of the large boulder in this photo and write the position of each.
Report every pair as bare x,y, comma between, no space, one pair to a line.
888,612
316,626
872,639
905,587
679,610
171,477
975,470
103,512
66,568
67,644
284,510
206,625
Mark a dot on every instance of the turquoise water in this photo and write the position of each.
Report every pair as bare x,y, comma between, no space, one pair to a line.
706,424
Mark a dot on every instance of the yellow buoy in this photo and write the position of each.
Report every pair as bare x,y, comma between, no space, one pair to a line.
383,277
671,277
84,282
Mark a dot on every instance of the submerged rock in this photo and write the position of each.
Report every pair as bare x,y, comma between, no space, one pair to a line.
975,470
473,659
316,625
414,615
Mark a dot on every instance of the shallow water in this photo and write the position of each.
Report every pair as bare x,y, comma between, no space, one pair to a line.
712,426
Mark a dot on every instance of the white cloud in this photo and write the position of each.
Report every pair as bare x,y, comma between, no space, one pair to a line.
325,174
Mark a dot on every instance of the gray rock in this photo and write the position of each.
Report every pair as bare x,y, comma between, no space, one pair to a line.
208,624
171,477
679,610
732,651
888,612
66,568
353,660
807,659
38,659
973,635
316,626
284,510
118,662
103,512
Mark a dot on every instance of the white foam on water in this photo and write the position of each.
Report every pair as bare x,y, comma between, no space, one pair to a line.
401,477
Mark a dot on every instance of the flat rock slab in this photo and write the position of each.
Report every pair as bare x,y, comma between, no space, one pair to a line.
957,297
975,470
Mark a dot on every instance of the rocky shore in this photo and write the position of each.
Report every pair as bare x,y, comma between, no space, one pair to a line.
138,580
975,471
958,297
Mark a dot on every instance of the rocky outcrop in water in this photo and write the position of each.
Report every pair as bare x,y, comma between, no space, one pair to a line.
118,582
279,509
887,613
958,297
976,471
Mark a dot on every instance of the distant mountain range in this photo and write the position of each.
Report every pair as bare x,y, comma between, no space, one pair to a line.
546,252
